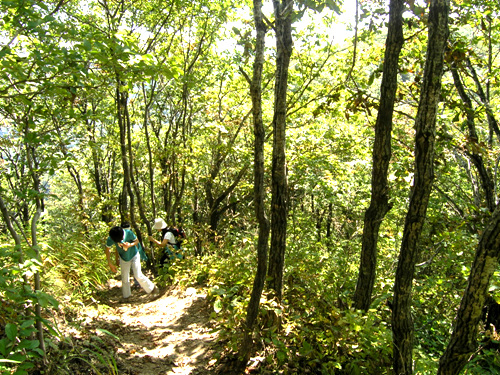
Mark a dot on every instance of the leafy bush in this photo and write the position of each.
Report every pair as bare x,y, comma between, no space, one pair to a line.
19,347
72,267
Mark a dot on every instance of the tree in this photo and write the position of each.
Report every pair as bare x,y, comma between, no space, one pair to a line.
34,72
283,11
463,339
471,80
402,326
259,186
379,202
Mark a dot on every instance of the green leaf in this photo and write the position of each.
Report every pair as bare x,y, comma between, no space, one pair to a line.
4,347
332,5
108,333
87,45
18,357
29,344
281,355
11,331
218,306
27,323
305,349
46,300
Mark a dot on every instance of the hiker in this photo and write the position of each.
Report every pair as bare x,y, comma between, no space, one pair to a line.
169,242
144,257
127,249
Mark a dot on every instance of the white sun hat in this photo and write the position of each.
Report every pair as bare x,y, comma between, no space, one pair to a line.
159,224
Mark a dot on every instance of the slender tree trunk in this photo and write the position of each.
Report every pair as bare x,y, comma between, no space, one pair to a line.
121,103
197,223
102,185
38,286
10,227
215,209
425,123
259,186
463,339
127,158
329,221
279,210
17,239
75,174
473,148
147,105
379,203
319,220
136,191
33,169
492,122
166,187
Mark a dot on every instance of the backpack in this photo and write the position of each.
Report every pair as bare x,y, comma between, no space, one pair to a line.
179,234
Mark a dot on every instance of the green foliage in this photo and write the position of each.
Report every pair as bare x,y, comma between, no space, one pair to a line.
316,332
19,350
191,136
101,355
94,352
73,267
487,360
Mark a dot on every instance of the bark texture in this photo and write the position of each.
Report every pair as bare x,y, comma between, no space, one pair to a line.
379,202
463,339
425,123
259,186
279,210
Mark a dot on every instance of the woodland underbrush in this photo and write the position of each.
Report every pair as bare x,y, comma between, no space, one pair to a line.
319,332
314,329
71,273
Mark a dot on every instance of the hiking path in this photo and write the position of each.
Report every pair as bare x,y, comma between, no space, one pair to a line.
169,335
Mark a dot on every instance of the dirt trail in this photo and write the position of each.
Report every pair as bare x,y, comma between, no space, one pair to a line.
169,335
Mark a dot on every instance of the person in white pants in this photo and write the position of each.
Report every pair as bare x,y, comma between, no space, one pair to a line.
128,248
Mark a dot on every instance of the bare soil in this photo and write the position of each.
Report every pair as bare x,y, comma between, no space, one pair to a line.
168,335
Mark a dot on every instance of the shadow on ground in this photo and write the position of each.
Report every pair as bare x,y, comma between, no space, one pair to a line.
169,335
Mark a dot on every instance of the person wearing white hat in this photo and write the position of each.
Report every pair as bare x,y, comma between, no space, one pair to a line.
168,241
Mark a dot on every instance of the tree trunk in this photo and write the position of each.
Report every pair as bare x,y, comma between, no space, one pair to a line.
259,186
485,100
102,185
75,175
136,191
147,105
473,149
166,187
425,123
329,221
283,20
379,203
33,170
463,339
121,105
215,209
197,223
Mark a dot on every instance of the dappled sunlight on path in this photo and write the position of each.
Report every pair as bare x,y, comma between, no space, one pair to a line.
170,335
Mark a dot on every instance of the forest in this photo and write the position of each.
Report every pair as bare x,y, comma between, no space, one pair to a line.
339,188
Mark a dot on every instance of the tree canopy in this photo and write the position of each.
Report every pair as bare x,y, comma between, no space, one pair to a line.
339,191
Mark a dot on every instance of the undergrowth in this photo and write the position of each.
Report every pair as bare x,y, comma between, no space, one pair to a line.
319,331
71,273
